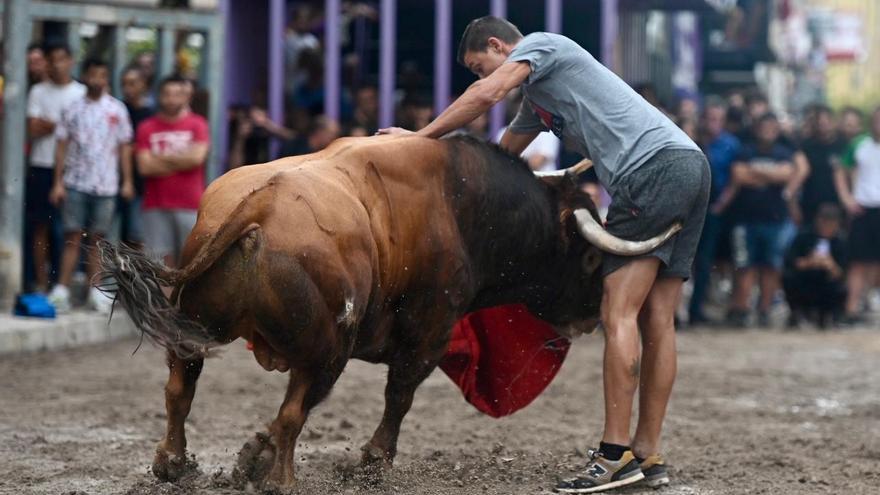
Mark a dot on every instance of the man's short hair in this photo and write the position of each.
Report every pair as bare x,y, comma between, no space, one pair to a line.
767,117
477,33
53,47
36,45
172,79
93,62
854,111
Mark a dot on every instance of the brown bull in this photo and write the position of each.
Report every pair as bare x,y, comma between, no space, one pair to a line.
371,249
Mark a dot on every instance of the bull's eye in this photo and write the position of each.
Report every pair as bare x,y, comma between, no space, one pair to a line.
591,260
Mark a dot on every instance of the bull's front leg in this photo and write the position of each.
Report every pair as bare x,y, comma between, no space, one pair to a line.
170,462
405,374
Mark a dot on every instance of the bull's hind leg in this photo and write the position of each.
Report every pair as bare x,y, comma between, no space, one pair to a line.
170,462
305,390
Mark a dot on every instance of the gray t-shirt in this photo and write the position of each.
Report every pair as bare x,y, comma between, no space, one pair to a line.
591,109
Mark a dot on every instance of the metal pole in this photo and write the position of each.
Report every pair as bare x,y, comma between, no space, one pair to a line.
74,42
498,8
553,16
442,54
166,53
276,68
119,54
216,37
609,20
387,61
16,34
332,64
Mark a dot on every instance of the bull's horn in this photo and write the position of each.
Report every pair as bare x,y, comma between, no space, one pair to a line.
602,239
574,170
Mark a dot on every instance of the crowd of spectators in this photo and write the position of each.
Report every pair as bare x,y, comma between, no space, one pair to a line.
794,211
103,167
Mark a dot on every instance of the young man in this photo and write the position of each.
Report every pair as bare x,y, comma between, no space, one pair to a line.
46,101
135,95
171,150
721,149
814,269
656,176
94,137
760,217
820,149
858,184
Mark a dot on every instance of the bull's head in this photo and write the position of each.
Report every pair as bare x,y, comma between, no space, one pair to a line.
576,310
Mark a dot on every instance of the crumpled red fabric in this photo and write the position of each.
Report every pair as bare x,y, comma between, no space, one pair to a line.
502,358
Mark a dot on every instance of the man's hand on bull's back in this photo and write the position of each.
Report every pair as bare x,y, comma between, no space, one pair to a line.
399,131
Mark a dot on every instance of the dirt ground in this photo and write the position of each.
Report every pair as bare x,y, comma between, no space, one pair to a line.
752,412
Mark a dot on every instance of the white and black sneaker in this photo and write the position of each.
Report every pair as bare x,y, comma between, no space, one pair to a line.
603,474
654,469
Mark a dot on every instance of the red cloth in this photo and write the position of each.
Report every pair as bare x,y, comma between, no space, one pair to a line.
502,358
181,190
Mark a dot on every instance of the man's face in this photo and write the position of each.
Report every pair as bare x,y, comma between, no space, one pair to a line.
173,98
851,125
714,119
486,62
36,63
60,65
96,79
824,124
367,101
827,228
767,131
133,85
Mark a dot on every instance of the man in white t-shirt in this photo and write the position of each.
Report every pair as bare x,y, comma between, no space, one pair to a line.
46,101
94,145
541,154
857,179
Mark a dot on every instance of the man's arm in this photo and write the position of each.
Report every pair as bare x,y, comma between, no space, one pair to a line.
801,172
741,174
844,192
38,127
777,174
58,193
478,98
150,165
127,191
193,157
516,143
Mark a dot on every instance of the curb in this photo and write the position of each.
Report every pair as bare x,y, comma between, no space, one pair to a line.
78,328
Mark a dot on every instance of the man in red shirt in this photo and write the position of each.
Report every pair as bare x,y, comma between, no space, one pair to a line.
171,150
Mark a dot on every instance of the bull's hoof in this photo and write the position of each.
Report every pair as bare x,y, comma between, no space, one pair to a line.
255,459
376,459
279,487
171,467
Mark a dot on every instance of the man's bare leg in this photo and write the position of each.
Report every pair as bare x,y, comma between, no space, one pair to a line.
624,293
855,284
659,363
69,257
41,256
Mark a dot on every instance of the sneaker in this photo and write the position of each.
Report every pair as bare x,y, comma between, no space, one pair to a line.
603,474
60,298
654,470
100,302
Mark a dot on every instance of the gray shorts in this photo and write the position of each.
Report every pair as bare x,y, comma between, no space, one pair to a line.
84,211
672,186
166,230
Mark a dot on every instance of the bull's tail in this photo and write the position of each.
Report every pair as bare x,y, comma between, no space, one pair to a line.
137,282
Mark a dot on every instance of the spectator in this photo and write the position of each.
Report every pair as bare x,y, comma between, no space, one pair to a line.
760,216
541,154
366,110
416,111
94,136
298,39
721,149
814,268
858,185
171,150
851,123
322,132
46,101
757,106
37,67
252,132
817,185
135,94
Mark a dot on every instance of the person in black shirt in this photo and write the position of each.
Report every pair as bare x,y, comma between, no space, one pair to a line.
814,269
821,148
758,210
135,95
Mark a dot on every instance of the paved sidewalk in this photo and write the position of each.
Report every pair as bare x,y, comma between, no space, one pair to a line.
77,328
